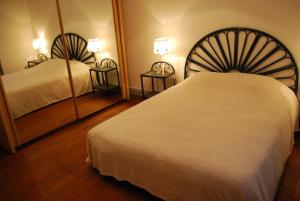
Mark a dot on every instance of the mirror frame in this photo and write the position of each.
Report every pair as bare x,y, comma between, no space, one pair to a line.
119,29
67,58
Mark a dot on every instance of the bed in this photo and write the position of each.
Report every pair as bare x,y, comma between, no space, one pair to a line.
214,136
48,82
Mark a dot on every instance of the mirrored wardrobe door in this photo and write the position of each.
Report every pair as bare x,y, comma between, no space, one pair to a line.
35,78
90,33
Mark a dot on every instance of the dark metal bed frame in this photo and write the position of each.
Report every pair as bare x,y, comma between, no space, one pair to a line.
76,47
245,50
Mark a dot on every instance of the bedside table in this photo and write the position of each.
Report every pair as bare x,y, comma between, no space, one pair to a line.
156,72
41,58
34,62
107,66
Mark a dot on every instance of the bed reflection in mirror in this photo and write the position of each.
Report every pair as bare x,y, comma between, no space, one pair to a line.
90,34
36,81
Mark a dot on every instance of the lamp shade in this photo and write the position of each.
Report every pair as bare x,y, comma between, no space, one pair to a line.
39,44
161,46
94,45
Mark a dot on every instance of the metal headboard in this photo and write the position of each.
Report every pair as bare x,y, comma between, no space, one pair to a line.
76,47
245,50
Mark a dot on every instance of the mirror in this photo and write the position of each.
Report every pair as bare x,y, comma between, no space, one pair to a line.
96,76
35,80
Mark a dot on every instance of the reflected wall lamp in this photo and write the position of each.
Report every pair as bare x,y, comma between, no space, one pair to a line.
39,45
95,46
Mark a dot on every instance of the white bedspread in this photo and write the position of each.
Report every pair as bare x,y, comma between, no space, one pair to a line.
44,84
212,137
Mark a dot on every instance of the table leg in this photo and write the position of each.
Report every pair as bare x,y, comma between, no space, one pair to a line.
142,87
152,84
118,80
107,85
92,82
103,81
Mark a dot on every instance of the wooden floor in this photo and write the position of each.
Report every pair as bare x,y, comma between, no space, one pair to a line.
53,167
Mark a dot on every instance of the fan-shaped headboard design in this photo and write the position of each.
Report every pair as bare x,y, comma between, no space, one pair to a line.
76,46
245,50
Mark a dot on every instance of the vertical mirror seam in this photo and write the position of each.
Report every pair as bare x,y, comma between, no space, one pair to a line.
67,57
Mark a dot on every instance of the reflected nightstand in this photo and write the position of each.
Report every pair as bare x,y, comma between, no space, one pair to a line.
34,62
41,58
103,84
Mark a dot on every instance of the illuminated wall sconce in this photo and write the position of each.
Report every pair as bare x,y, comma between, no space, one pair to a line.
95,46
161,47
39,45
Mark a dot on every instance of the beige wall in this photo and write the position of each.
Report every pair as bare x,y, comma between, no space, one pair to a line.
25,20
16,35
91,19
44,21
185,22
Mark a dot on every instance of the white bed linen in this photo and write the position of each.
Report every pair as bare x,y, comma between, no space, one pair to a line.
44,84
212,137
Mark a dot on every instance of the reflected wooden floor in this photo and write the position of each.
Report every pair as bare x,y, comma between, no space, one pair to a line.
89,103
53,168
45,120
61,113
